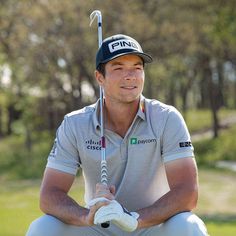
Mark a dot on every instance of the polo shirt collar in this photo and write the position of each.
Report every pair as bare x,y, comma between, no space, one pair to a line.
96,119
141,111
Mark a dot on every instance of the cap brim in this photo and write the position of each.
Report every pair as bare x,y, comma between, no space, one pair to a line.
146,58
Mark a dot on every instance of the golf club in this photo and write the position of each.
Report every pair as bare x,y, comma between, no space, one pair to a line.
93,15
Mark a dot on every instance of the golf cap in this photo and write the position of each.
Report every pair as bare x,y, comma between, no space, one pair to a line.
119,45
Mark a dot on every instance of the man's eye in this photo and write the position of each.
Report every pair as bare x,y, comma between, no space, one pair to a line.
118,68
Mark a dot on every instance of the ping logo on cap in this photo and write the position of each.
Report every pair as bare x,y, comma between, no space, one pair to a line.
122,44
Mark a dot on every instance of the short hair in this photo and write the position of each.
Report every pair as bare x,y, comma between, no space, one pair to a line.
101,69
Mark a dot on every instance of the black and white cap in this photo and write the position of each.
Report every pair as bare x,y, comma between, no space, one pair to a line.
119,45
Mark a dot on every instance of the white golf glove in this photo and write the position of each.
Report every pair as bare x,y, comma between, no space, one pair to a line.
118,215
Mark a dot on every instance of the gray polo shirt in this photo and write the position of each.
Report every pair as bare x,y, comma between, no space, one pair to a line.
135,163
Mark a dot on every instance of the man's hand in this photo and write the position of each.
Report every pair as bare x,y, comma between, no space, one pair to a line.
103,197
93,206
105,191
118,215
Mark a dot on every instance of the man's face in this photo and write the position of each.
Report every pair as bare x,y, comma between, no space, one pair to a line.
124,79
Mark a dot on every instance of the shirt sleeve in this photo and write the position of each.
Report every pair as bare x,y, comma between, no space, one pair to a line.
176,142
64,155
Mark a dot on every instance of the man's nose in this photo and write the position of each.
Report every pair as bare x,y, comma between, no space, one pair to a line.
129,74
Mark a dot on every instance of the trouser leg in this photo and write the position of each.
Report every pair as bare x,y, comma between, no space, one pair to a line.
45,225
185,224
50,226
182,224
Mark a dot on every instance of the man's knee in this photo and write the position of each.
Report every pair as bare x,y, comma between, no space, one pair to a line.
185,224
45,225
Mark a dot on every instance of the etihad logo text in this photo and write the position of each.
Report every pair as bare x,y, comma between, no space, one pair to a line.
93,145
142,141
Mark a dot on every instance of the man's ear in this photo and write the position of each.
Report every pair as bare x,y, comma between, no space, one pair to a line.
99,77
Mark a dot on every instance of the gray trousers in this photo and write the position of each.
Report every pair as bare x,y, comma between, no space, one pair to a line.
183,224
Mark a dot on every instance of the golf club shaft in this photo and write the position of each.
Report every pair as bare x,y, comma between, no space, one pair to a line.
93,15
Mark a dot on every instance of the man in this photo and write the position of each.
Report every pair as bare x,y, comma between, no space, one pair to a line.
152,171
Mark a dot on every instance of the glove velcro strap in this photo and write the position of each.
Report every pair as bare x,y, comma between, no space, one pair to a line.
134,214
126,211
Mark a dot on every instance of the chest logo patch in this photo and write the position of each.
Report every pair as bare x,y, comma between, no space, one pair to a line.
134,141
93,145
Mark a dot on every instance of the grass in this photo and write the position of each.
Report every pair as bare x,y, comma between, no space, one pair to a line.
221,228
19,203
18,206
217,198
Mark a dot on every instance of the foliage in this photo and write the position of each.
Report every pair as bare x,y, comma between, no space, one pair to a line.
16,162
50,49
200,120
209,151
20,159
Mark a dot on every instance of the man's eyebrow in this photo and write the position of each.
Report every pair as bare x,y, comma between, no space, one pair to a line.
118,63
140,63
115,63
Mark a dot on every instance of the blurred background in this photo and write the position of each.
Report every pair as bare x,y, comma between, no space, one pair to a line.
47,62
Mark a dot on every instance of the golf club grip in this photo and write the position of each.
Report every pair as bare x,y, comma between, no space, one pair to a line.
105,224
104,181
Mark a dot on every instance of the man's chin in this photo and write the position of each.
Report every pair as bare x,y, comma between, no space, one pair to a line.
130,99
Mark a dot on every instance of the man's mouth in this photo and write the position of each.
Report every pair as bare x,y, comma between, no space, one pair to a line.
128,87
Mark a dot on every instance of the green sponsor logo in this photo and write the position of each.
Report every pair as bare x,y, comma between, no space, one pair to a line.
133,141
142,141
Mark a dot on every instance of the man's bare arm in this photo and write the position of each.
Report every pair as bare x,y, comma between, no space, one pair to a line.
55,201
183,194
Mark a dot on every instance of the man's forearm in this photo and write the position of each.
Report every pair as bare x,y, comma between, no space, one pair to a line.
172,203
63,207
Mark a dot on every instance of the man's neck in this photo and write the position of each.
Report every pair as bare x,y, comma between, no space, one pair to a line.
119,117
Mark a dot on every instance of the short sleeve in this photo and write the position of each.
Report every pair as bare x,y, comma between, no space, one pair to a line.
176,142
64,155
